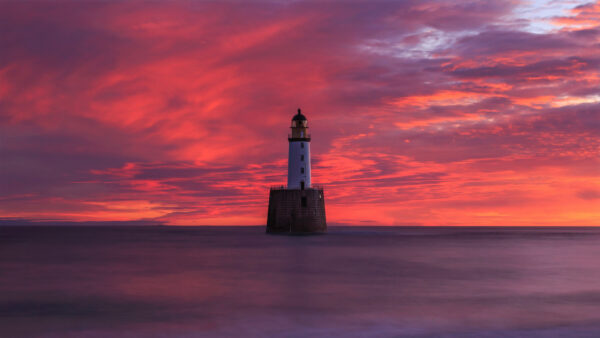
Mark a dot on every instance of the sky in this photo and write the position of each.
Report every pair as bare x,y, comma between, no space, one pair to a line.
428,112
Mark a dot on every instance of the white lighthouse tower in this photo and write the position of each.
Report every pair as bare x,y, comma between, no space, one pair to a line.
299,154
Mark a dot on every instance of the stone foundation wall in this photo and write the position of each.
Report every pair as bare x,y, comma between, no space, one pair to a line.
296,211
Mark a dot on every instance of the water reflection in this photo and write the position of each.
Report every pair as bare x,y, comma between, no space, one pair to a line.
156,281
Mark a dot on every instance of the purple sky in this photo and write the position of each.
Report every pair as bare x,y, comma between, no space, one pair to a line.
421,112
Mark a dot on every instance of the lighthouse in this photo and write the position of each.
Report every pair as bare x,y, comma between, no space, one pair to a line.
298,208
299,153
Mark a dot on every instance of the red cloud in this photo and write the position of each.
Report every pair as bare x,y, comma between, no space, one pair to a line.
177,112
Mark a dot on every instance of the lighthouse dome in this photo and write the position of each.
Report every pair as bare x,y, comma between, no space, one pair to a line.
299,116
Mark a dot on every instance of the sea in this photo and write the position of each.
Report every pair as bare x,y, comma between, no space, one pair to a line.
163,281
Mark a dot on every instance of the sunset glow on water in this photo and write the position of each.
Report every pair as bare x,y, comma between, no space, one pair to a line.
352,282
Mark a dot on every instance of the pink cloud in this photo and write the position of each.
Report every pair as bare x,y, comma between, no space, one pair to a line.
178,112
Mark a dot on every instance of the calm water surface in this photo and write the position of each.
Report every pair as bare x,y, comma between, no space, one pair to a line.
354,281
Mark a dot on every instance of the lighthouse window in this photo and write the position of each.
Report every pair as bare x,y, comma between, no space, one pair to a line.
301,157
301,144
302,170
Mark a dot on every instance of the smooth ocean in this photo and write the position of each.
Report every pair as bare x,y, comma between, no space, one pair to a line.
352,282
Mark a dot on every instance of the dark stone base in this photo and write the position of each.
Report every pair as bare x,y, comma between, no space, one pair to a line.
295,211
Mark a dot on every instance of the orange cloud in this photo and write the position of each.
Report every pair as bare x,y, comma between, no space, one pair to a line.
178,113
